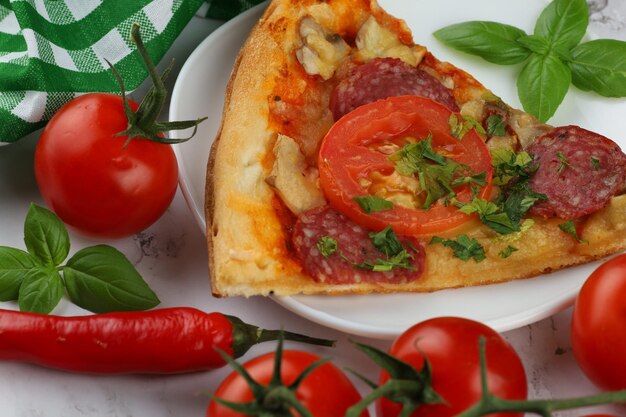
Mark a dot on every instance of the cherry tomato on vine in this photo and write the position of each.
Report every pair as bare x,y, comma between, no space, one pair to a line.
325,392
451,346
91,180
599,325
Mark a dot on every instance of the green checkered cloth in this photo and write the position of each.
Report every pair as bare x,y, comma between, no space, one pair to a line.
53,50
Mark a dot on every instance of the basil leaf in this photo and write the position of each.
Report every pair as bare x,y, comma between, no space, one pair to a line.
537,44
101,279
371,203
492,41
542,85
41,290
563,23
46,236
15,265
600,66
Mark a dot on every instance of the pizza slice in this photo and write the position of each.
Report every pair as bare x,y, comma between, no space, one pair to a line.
351,160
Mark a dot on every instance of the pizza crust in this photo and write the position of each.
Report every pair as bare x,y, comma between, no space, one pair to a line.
248,225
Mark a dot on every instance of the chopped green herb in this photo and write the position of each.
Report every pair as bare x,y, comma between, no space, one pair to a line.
508,251
460,125
495,126
491,215
570,228
372,203
386,241
595,162
400,260
508,164
563,163
464,247
436,173
327,246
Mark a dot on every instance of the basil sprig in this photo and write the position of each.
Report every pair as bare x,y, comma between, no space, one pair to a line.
97,278
554,56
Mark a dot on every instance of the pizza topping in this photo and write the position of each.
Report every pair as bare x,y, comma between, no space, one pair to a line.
508,251
321,52
376,41
358,157
334,250
382,78
293,182
569,227
572,184
463,247
371,203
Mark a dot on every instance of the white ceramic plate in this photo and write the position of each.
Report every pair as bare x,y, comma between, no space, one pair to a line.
199,91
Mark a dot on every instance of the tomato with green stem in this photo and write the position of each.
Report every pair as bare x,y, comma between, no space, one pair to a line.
284,384
102,163
598,328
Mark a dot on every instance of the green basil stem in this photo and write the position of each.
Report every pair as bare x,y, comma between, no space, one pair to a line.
143,122
490,403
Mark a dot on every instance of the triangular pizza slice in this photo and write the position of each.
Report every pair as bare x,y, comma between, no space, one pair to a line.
351,160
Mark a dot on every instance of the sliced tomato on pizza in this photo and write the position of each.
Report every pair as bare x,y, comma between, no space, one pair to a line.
353,161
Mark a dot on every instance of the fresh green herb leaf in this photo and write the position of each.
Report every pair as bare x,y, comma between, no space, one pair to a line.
41,290
570,228
409,159
494,42
495,126
542,85
101,279
479,179
595,162
372,203
46,236
563,23
508,251
15,265
537,44
460,125
387,242
327,246
563,163
491,216
508,165
400,260
464,247
525,225
600,66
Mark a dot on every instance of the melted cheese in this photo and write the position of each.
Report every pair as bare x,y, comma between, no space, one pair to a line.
321,52
376,41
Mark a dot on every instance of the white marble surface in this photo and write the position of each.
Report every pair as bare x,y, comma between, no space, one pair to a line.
171,255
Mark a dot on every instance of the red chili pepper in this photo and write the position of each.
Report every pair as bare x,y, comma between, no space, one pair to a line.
170,340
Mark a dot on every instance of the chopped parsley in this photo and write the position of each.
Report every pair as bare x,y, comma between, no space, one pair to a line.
327,246
508,251
437,174
385,241
563,163
371,203
595,162
460,125
463,247
508,164
570,228
495,126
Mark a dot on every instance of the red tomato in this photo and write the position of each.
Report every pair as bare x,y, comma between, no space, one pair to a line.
451,346
91,181
358,146
325,392
599,325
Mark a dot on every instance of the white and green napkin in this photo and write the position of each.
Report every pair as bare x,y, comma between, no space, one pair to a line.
54,50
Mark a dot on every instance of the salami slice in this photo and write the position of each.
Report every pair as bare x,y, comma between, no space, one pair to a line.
579,171
354,246
380,78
